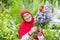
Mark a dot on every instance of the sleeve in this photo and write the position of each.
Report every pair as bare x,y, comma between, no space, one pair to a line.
41,37
25,37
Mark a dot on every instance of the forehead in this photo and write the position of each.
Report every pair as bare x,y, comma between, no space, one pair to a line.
26,14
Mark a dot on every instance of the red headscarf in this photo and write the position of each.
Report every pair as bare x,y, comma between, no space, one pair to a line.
41,8
25,26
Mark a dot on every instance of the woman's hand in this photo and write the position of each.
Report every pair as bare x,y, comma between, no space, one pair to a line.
33,29
40,31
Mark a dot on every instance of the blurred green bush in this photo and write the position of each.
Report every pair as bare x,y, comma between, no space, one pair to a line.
10,18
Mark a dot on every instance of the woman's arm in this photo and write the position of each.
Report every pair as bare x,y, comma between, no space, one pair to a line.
26,36
41,37
41,34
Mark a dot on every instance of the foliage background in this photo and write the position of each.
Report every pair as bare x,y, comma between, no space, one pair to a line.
10,18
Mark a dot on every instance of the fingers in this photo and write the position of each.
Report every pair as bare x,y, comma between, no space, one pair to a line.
33,29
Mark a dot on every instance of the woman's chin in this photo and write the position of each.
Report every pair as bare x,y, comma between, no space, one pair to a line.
28,21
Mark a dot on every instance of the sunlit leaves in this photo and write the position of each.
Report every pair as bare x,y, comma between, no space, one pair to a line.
10,18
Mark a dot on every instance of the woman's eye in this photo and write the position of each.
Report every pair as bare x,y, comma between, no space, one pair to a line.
27,14
24,16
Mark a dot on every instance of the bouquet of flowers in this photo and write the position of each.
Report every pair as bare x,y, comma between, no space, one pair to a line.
42,18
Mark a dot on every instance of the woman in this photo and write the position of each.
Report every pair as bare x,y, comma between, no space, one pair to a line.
26,27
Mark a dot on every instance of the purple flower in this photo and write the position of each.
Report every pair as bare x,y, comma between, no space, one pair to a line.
42,17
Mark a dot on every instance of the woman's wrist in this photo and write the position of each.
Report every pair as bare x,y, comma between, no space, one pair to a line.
29,34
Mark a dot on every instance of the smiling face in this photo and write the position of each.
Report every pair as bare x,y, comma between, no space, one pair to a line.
27,17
